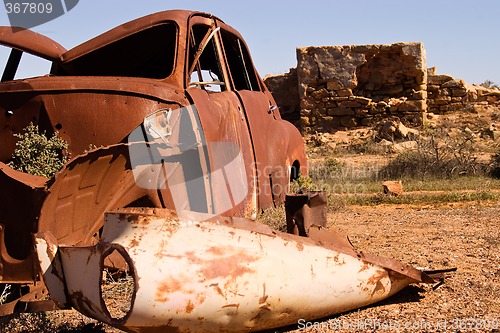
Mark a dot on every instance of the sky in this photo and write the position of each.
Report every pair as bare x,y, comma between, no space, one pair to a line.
460,37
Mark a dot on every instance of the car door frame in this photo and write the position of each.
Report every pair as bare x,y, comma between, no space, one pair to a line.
222,117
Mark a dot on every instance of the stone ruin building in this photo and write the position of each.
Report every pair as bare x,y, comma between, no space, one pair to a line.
335,87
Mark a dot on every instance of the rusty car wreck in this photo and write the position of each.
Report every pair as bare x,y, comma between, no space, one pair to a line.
189,146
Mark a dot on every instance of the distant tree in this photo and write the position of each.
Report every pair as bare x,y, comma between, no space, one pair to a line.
489,84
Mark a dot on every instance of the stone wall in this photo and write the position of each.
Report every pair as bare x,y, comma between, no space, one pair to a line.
285,91
361,85
350,86
445,93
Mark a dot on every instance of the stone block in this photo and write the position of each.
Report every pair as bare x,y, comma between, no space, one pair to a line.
454,83
339,99
421,94
361,112
344,92
307,103
393,187
458,92
412,106
492,99
333,85
349,104
319,94
362,100
442,100
438,79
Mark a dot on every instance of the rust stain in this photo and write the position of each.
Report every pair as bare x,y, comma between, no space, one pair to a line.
216,250
160,254
375,278
365,267
133,243
217,289
300,246
189,307
231,266
166,288
201,298
236,305
144,221
379,287
264,297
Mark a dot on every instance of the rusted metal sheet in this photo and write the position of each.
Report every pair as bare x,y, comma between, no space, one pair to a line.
31,42
234,276
21,198
302,210
46,101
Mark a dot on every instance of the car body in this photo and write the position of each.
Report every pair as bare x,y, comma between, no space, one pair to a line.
97,93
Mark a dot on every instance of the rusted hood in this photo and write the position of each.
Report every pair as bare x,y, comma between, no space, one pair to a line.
31,42
125,85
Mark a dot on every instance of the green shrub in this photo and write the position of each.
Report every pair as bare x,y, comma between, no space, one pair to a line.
38,155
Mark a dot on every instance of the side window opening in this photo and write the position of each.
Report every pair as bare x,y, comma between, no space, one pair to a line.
28,65
149,53
239,62
205,68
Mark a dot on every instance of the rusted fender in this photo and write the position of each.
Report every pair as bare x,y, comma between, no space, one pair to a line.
223,275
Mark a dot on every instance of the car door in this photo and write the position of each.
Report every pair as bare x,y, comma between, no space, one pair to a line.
270,142
221,115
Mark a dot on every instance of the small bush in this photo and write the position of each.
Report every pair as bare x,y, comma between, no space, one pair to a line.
274,217
330,168
38,155
436,158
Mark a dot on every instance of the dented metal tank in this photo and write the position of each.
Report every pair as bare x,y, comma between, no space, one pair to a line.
221,275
